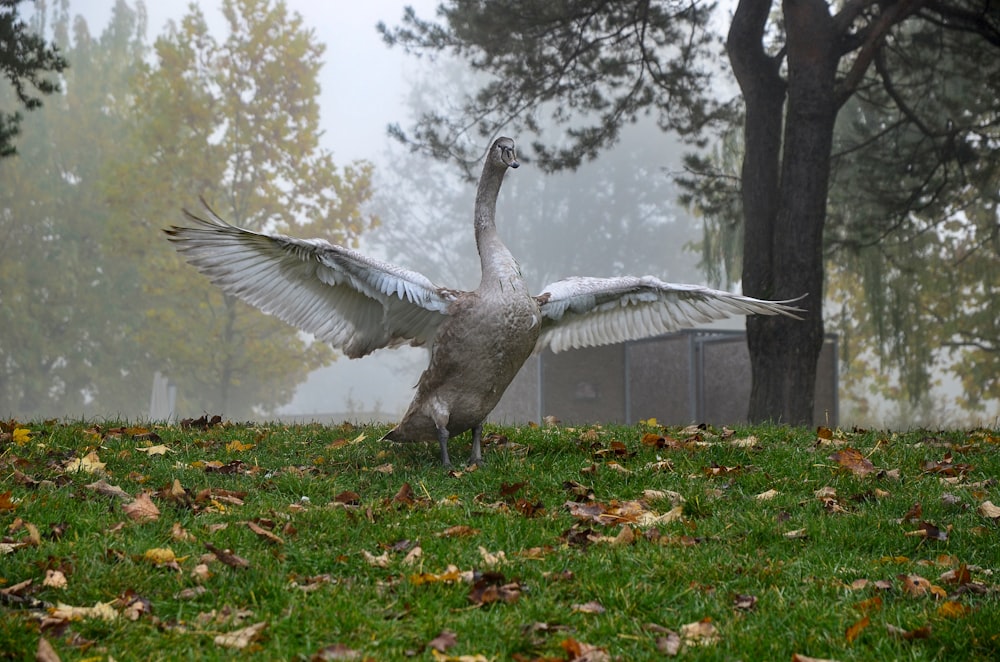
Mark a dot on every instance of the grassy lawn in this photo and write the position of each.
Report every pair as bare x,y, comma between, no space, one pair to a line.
592,543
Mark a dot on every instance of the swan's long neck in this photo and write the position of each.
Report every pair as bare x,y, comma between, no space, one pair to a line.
499,268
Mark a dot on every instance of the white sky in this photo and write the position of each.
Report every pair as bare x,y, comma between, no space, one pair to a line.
362,80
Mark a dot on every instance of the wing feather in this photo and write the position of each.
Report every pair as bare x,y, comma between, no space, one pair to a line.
585,311
356,303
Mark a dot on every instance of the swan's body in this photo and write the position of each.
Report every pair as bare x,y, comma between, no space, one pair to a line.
479,339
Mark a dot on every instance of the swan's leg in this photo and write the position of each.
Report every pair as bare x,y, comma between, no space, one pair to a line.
477,453
443,440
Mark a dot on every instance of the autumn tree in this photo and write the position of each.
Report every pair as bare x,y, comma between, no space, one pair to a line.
235,122
63,330
593,66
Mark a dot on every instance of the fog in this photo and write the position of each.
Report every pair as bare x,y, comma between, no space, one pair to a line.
616,215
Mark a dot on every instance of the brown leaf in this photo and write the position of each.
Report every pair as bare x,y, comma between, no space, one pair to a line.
592,607
241,638
744,602
988,510
443,641
458,531
669,643
348,498
855,630
700,633
335,652
491,587
102,487
142,509
577,651
45,652
914,514
264,533
852,460
908,635
928,531
227,557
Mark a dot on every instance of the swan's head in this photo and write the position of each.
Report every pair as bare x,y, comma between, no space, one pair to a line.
503,152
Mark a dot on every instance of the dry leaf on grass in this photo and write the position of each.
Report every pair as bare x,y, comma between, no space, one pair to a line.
89,463
142,509
700,633
335,652
102,487
592,607
54,579
443,641
45,652
241,638
988,510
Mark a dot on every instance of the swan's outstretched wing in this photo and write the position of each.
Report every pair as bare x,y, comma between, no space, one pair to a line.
355,303
583,312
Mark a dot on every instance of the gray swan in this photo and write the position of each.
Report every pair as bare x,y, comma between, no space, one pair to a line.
478,340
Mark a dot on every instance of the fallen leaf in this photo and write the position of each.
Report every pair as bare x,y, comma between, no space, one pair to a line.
264,533
445,640
237,446
241,638
45,652
160,556
669,643
159,449
908,635
852,460
101,610
21,436
89,463
952,609
335,652
592,607
577,651
805,658
855,630
765,496
180,534
381,561
227,557
700,633
744,602
142,509
54,579
458,531
103,488
988,510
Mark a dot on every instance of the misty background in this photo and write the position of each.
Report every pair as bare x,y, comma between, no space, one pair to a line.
619,214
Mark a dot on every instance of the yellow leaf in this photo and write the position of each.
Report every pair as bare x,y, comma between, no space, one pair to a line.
159,449
238,446
160,555
21,436
89,463
952,609
101,610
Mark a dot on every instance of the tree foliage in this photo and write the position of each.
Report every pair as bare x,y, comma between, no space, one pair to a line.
94,299
25,58
235,122
65,327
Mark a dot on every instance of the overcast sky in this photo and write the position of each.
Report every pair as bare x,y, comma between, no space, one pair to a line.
363,81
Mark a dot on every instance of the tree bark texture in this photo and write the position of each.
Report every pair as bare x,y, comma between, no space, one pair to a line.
785,182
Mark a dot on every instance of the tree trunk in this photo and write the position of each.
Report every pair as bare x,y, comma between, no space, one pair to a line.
783,248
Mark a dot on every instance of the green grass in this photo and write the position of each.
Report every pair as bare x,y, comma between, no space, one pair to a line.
727,543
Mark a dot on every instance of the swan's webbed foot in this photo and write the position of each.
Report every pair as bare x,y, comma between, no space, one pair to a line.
476,458
443,441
